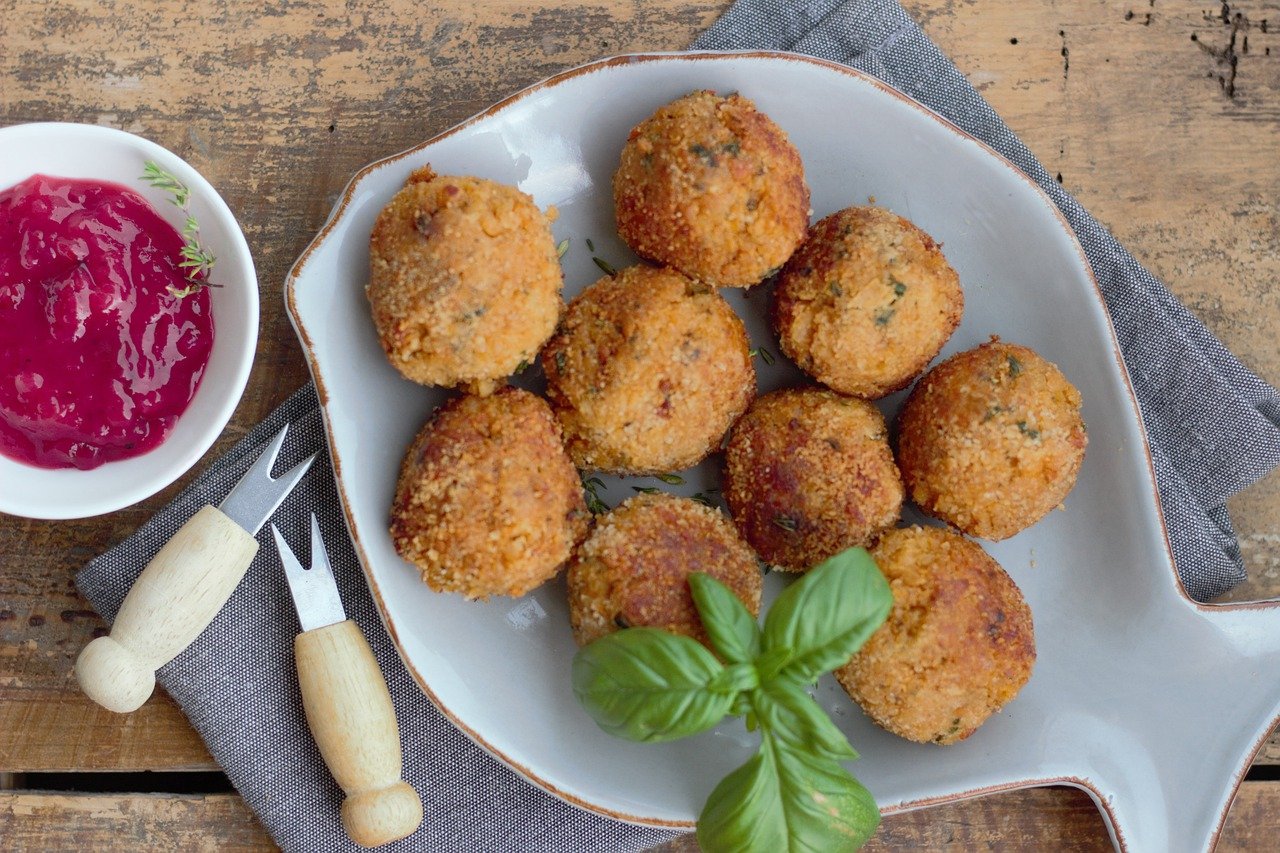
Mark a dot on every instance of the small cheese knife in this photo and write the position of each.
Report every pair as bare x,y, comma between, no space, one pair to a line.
347,705
183,587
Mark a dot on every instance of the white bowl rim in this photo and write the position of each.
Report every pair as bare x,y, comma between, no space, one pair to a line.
133,489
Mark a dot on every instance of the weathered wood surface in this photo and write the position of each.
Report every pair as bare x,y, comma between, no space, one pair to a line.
1060,819
1163,117
199,823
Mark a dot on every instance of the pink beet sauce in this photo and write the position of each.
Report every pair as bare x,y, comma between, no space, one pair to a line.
97,358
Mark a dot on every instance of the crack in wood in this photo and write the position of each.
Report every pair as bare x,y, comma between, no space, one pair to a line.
1228,58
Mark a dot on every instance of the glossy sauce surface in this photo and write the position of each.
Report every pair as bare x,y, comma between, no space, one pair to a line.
97,357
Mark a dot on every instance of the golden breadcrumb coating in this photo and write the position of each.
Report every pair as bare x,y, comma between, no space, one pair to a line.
809,473
633,570
957,646
714,188
487,502
647,372
991,440
866,302
464,281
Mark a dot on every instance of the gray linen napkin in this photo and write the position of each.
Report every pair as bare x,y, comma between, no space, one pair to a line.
1212,425
238,685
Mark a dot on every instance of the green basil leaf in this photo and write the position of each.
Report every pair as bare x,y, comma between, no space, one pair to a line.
742,814
826,809
787,801
735,678
646,684
796,720
826,616
733,630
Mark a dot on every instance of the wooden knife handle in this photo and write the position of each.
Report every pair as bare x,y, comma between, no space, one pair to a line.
350,714
173,600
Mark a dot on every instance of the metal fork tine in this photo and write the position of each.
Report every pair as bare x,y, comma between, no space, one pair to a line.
261,467
256,495
315,595
293,570
319,554
290,478
287,556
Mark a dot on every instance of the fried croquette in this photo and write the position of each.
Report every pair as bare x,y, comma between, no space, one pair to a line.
712,187
809,473
866,302
957,646
647,372
633,570
464,280
991,440
487,502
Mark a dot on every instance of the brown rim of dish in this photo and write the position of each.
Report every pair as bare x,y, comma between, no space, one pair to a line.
697,56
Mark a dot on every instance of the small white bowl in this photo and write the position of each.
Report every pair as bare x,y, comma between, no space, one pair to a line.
105,154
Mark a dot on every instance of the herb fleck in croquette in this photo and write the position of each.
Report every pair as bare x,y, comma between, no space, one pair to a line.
957,646
633,570
487,502
866,302
464,281
712,187
991,440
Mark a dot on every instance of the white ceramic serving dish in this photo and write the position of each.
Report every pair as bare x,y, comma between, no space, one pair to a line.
105,154
1151,703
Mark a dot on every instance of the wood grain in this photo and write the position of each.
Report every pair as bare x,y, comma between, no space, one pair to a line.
1060,819
1157,115
210,823
177,595
351,717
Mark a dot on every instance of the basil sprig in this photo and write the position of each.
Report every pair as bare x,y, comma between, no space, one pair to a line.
793,795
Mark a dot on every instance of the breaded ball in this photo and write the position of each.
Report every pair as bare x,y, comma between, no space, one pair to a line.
866,302
809,473
958,643
463,280
712,187
991,440
633,570
647,372
488,503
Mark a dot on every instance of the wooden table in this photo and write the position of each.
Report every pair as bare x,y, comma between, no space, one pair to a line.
1162,117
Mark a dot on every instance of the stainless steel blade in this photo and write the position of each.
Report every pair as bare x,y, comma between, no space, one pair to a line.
256,496
315,592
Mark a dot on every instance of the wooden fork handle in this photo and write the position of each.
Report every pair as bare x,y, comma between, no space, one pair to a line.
172,601
353,722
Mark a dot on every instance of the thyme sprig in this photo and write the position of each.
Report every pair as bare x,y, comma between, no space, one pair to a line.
589,487
197,261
